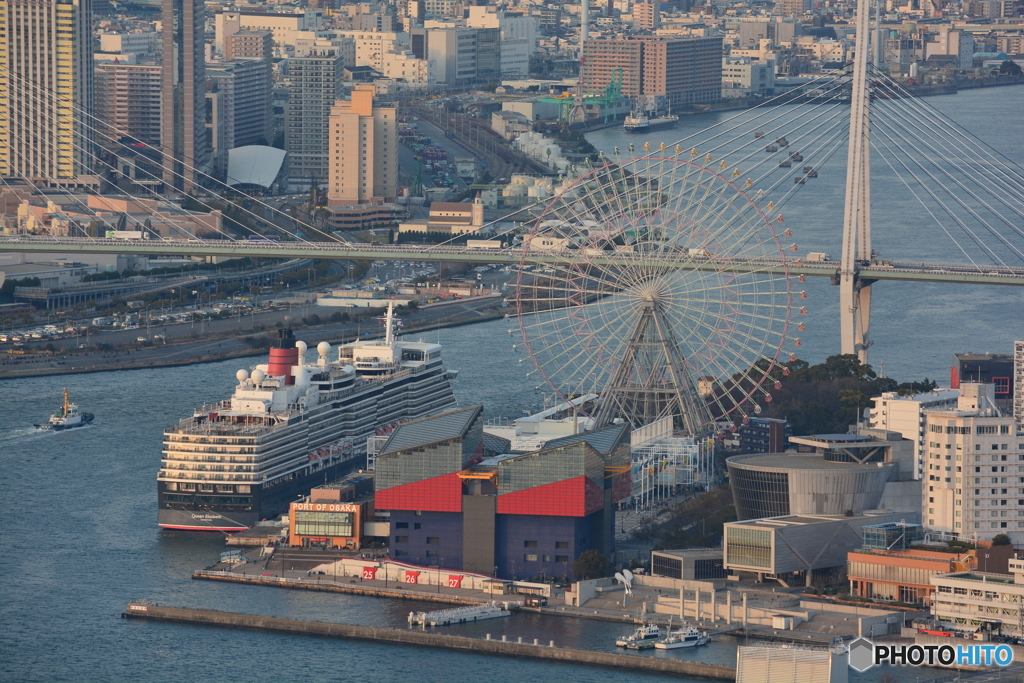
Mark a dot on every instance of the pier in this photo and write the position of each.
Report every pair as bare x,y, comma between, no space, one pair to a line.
314,584
208,617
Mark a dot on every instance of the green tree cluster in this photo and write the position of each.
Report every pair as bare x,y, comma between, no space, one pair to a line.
825,398
591,564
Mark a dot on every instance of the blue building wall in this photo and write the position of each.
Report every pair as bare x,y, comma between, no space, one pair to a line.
514,532
445,527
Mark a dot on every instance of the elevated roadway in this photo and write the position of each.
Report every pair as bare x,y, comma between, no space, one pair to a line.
894,270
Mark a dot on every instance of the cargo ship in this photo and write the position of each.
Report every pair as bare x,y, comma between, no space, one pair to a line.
642,122
290,426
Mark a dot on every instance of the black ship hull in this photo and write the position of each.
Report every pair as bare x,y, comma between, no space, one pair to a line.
266,503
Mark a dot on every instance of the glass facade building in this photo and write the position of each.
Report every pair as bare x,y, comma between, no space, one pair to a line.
758,494
749,547
779,484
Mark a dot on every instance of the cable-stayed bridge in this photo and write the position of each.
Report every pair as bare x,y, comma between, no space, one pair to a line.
894,270
957,203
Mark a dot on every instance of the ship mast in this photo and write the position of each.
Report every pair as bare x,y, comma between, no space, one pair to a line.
65,407
388,337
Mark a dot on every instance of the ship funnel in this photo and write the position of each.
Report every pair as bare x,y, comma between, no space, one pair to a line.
284,356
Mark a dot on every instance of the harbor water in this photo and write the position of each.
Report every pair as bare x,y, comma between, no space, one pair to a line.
79,536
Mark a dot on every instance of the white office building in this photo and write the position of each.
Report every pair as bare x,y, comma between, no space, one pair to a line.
905,414
518,35
743,76
975,468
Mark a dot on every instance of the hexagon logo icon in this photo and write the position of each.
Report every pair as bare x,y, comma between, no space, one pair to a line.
862,654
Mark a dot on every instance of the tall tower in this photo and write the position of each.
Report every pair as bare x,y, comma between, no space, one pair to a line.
364,150
46,89
855,292
183,119
315,85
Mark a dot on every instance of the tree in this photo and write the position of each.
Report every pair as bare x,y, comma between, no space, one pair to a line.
591,564
1001,539
1009,68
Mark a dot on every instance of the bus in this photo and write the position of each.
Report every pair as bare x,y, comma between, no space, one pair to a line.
262,239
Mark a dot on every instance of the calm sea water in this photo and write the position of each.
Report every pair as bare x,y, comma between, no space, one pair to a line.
916,327
79,536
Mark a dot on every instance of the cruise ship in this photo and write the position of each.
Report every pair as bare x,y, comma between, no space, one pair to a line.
291,426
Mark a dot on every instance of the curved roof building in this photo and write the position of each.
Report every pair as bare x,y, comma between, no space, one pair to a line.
778,484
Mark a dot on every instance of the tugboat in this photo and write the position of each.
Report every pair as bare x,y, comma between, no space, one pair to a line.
69,417
686,637
642,633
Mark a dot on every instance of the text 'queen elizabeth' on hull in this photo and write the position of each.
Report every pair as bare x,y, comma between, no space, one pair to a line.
291,426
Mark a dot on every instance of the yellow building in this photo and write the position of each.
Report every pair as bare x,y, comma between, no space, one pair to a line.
449,218
363,151
46,85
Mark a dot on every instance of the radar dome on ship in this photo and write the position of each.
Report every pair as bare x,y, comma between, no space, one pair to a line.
242,375
258,376
301,346
323,348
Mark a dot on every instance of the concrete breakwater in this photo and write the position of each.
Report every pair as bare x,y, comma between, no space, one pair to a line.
207,617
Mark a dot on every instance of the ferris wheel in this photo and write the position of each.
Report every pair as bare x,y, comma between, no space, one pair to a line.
662,284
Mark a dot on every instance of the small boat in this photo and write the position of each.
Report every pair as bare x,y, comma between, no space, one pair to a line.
69,417
459,615
646,632
688,637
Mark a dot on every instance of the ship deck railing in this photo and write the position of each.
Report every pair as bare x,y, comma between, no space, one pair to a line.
200,424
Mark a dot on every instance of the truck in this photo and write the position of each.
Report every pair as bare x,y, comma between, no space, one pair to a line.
817,256
702,253
465,168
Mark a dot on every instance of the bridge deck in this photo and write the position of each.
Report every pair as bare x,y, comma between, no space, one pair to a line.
919,272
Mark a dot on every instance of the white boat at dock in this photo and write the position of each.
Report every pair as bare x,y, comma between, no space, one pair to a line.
459,615
686,637
642,633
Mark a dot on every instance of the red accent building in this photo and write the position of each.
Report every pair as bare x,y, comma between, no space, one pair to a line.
458,499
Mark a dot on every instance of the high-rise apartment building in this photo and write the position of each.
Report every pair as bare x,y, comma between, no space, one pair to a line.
646,15
183,124
315,84
46,89
249,83
128,101
792,8
681,70
220,116
249,45
975,468
248,54
1018,381
363,151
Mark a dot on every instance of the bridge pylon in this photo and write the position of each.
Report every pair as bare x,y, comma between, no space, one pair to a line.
854,291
